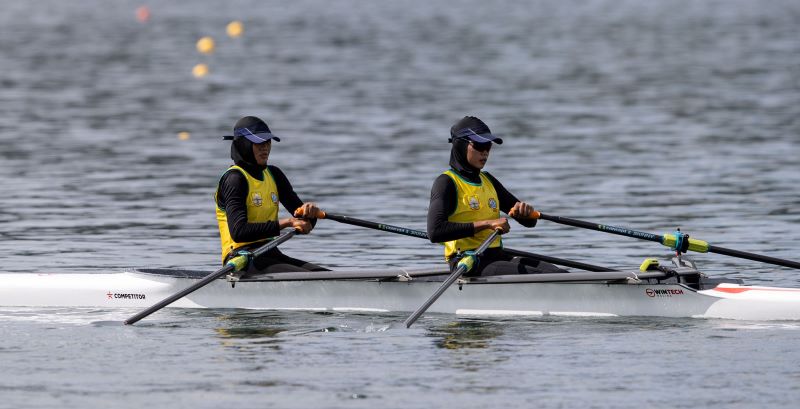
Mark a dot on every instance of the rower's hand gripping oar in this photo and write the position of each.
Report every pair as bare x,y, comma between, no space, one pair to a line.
422,235
464,265
235,264
678,241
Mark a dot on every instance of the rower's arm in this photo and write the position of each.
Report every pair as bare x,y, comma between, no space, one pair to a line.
288,197
443,203
508,200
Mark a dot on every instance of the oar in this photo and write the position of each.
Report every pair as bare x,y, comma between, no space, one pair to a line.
464,265
372,225
235,264
677,241
422,235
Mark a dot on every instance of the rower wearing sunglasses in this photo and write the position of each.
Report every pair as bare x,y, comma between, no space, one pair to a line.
247,198
466,203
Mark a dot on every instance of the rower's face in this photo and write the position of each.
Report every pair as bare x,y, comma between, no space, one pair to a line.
478,154
261,152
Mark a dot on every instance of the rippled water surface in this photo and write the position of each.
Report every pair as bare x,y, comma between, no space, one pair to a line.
651,115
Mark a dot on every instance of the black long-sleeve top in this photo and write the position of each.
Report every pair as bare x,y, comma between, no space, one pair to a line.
444,199
232,197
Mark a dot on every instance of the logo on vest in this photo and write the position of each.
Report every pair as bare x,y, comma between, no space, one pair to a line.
474,204
257,200
274,197
493,204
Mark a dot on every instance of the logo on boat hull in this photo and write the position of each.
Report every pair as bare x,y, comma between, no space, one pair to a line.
663,293
125,296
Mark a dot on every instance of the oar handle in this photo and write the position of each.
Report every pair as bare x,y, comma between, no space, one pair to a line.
462,268
320,214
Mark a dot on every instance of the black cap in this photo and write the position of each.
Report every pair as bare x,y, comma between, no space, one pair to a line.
472,128
252,128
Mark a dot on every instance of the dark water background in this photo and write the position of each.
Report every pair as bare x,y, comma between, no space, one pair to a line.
651,115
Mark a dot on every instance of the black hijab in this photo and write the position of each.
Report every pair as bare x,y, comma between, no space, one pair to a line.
459,163
242,155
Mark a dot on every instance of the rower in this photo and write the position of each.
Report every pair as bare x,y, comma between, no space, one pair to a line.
466,202
247,200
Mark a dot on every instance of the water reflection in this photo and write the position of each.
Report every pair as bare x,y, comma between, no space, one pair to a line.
466,334
251,331
266,326
248,333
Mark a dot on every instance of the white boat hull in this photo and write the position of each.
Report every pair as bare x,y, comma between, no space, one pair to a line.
133,289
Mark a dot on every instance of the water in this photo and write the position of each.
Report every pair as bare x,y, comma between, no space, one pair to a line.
651,115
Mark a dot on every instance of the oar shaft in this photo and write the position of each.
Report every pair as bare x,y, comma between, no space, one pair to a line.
461,269
557,261
668,240
422,235
180,294
622,231
753,256
439,291
373,225
207,279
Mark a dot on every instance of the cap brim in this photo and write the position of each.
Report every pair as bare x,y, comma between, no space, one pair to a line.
478,137
261,137
484,138
255,138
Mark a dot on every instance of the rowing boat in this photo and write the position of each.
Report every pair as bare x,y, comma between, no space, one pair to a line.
679,290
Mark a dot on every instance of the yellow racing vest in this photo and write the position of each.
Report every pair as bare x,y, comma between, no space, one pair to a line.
475,202
262,207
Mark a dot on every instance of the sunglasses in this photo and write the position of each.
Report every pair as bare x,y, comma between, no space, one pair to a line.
481,147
